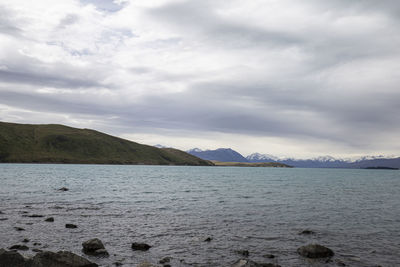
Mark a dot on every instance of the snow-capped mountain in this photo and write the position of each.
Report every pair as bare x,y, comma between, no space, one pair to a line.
258,157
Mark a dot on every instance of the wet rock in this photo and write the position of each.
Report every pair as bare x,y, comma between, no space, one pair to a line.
37,250
3,219
245,253
19,228
117,263
140,246
26,240
71,226
94,247
146,264
249,263
269,256
19,247
1,212
59,259
57,207
314,251
340,263
11,258
208,239
37,244
50,219
307,232
165,260
63,189
35,216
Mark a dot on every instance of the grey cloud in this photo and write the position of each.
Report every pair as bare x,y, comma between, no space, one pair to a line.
199,16
45,79
68,20
7,22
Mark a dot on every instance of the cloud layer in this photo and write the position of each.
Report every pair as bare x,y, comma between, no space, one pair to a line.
282,77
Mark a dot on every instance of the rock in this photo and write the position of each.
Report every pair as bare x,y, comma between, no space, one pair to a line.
166,265
1,212
340,263
11,258
37,250
269,256
314,251
26,240
35,216
3,219
37,244
63,189
59,259
245,253
165,260
140,246
117,263
50,219
19,228
208,239
71,226
94,247
146,264
19,247
249,263
306,232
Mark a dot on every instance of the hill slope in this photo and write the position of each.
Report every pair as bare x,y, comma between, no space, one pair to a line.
54,143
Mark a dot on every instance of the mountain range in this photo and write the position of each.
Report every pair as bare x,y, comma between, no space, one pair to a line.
230,155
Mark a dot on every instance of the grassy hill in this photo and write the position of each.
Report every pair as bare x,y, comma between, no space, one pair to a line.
251,164
52,143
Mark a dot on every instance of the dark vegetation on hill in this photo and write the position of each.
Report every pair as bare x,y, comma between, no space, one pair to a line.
52,143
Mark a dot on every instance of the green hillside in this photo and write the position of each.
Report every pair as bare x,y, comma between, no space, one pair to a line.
52,143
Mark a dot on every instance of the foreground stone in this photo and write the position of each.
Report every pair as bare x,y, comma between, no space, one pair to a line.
140,246
59,259
63,189
249,263
50,219
307,232
19,247
71,226
11,258
314,251
94,247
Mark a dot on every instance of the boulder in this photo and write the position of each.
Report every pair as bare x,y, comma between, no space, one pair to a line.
26,240
94,247
50,219
315,251
245,253
165,260
307,232
249,263
19,228
11,258
71,226
59,259
63,189
208,239
140,246
19,247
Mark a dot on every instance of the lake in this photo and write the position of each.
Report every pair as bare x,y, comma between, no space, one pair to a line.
356,213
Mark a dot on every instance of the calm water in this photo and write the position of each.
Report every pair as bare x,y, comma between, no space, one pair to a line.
354,212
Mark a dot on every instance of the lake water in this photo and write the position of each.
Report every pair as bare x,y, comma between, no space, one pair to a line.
356,213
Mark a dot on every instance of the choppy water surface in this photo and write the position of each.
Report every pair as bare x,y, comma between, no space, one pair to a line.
356,213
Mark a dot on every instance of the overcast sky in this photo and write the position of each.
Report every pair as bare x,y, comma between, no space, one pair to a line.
282,77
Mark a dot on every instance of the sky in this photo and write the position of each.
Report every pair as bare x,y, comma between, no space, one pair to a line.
280,77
